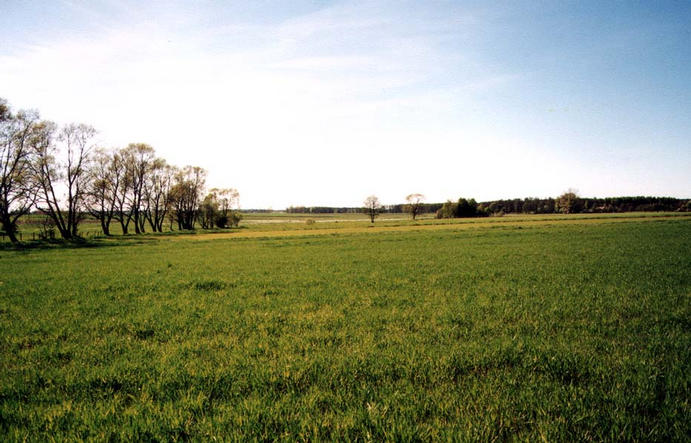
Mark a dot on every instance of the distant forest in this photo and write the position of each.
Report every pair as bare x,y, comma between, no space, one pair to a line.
527,206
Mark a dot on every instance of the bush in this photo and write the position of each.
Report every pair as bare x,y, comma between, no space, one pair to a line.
231,220
464,208
234,219
221,221
448,210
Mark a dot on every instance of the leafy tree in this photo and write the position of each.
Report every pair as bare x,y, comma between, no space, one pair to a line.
234,218
217,208
185,195
208,211
466,208
372,207
448,210
228,201
462,208
569,202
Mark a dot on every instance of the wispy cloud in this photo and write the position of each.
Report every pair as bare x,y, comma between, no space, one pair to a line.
298,96
346,78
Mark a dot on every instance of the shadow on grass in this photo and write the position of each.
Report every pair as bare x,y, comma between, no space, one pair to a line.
97,242
105,241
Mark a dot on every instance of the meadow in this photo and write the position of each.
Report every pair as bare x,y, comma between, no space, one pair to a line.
546,327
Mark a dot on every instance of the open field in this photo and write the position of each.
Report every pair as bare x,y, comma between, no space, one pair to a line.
543,327
278,222
31,225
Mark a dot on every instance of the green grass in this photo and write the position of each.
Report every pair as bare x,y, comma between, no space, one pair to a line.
31,225
562,331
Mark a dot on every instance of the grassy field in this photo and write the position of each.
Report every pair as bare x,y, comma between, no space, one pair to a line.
277,222
30,226
528,328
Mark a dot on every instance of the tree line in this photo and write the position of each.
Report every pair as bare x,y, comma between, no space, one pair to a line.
567,203
398,208
415,205
571,203
59,172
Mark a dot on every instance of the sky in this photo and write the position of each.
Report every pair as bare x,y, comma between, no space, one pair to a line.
327,102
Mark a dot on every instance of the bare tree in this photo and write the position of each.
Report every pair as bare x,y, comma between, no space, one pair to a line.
122,214
104,183
157,193
17,193
139,159
414,204
52,175
228,199
372,207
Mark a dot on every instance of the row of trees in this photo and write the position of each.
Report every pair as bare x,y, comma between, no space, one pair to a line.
62,174
567,203
460,209
570,203
414,206
399,208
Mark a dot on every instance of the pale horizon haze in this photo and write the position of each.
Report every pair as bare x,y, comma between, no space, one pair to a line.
324,103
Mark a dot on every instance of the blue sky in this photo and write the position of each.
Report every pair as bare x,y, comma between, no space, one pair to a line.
325,103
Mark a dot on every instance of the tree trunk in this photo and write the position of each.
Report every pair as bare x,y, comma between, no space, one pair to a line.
9,228
66,234
12,236
105,227
137,229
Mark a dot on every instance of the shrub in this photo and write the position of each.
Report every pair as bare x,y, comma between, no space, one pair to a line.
234,219
222,221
